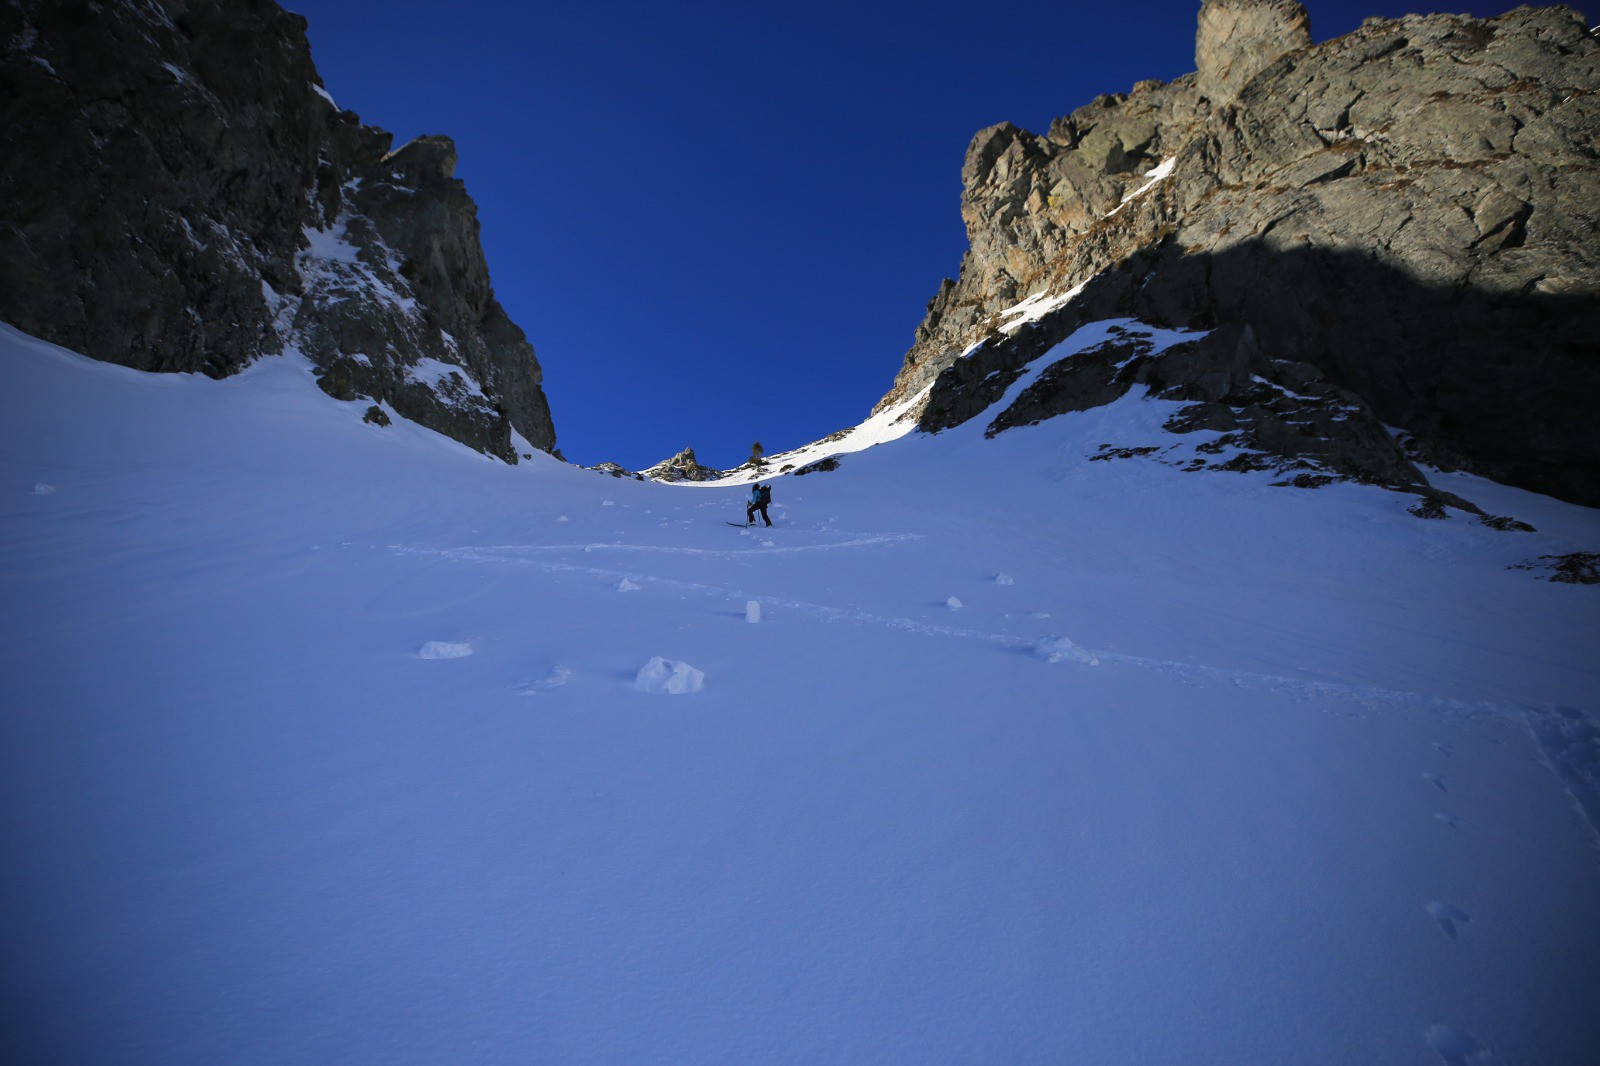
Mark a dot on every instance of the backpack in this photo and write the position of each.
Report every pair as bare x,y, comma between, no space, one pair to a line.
764,495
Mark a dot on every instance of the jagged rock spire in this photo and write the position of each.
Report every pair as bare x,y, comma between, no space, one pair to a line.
682,467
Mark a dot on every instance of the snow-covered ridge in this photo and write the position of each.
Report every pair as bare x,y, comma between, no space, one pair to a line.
1092,335
889,424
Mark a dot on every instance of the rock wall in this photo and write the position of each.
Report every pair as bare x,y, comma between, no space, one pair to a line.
1399,227
179,193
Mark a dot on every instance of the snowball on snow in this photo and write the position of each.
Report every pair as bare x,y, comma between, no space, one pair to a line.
626,585
668,677
41,489
1004,579
752,611
445,649
953,603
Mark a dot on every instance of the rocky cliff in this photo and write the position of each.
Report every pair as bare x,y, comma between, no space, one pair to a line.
1385,246
179,193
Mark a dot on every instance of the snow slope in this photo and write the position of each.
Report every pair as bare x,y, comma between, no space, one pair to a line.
324,742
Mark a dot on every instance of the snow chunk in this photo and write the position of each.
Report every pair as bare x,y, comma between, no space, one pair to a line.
444,649
954,604
752,611
41,489
1004,579
1062,650
668,677
625,585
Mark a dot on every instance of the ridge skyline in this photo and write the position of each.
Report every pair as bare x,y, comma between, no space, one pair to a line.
715,336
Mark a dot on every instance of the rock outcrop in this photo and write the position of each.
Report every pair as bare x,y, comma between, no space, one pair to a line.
1238,39
682,467
179,193
1392,231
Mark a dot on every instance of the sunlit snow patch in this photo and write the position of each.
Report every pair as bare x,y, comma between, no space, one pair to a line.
1162,171
889,424
1036,307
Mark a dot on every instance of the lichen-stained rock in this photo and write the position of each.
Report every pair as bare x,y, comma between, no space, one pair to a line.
1411,211
179,193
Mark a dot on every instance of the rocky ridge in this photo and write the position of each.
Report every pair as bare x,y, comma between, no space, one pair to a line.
178,192
1385,247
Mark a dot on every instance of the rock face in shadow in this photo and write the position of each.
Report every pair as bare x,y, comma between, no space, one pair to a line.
1397,227
179,193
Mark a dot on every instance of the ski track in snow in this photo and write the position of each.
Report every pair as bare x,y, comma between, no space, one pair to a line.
512,551
1300,689
1568,751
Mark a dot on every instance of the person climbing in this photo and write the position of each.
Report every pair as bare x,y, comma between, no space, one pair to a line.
760,496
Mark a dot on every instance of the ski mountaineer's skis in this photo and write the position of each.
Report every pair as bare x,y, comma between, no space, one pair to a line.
748,525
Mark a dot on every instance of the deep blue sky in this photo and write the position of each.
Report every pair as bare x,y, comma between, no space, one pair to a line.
720,222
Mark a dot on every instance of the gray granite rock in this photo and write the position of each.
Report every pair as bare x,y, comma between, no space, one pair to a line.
1404,217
